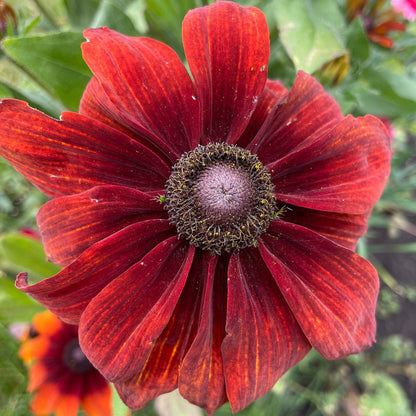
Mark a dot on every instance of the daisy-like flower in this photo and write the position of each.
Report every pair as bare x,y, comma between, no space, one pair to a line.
406,7
60,374
206,225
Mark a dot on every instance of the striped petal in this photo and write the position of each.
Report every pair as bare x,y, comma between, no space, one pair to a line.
331,291
71,224
227,48
145,87
120,325
263,338
76,153
68,293
343,169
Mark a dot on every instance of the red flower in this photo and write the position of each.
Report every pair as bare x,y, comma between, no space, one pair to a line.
378,21
268,189
61,375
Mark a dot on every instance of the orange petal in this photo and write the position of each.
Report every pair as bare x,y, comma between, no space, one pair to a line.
45,400
46,323
33,348
97,400
38,374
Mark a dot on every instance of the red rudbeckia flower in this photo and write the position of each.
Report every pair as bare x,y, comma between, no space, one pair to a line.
61,375
268,191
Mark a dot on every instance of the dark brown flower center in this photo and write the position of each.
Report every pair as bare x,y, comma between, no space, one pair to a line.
220,198
74,358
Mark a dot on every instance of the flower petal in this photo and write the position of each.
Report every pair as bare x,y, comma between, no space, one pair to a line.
201,378
45,399
272,95
38,375
331,291
45,323
70,396
96,396
147,89
160,373
74,154
227,48
263,338
71,224
343,229
342,170
120,325
97,105
306,109
68,293
34,348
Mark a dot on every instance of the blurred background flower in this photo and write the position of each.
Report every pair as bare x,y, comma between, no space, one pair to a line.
60,375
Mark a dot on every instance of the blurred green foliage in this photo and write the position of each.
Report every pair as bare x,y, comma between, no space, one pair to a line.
41,62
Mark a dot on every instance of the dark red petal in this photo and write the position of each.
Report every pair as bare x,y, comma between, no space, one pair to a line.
146,88
74,154
344,169
343,229
97,105
307,109
71,224
67,293
272,95
120,325
201,377
227,47
331,291
160,373
263,338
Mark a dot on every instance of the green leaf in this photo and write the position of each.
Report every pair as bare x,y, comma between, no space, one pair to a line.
14,401
165,20
27,253
357,42
40,100
81,12
55,61
125,16
385,93
310,31
16,306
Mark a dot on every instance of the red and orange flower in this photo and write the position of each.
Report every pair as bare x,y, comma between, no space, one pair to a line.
206,224
379,21
60,374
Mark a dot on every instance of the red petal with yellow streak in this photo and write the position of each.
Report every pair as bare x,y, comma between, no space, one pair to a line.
263,338
69,225
120,326
147,89
343,169
227,48
68,293
75,153
201,376
331,291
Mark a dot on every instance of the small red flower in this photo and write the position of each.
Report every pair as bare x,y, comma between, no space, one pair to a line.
60,374
268,190
378,20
